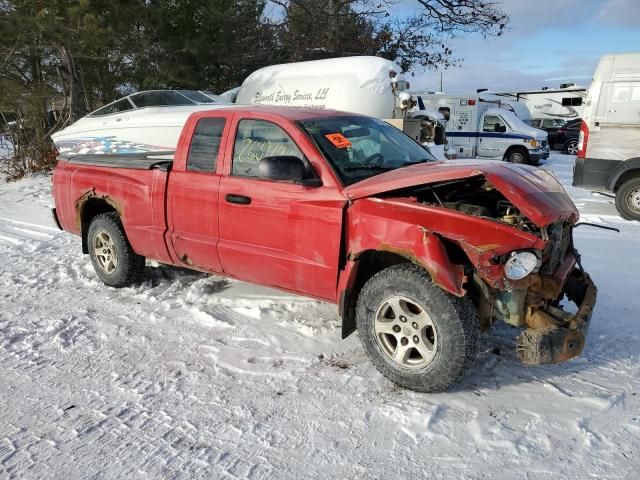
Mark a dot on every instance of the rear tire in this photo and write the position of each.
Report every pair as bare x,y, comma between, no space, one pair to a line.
628,199
571,147
517,155
416,334
112,257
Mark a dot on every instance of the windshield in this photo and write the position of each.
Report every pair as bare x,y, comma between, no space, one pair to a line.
159,98
196,96
215,98
361,147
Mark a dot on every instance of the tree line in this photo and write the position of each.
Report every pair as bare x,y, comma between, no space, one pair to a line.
60,59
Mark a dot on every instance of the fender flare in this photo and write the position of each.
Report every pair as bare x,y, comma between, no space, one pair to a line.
431,255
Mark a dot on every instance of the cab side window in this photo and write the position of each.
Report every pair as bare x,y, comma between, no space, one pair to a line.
205,145
258,139
493,123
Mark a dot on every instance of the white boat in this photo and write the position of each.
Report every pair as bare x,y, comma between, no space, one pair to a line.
147,121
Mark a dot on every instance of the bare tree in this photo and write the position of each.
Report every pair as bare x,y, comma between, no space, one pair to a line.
415,37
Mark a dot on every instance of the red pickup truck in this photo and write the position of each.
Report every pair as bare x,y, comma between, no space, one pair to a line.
420,255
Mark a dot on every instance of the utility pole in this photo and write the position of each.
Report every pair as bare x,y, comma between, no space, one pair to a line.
441,82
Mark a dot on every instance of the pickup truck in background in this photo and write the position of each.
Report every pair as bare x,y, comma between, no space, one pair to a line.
419,255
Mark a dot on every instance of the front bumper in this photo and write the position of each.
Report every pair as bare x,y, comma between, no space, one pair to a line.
538,154
555,336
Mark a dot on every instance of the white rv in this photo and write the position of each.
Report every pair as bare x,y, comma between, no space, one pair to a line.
486,129
564,103
364,85
609,144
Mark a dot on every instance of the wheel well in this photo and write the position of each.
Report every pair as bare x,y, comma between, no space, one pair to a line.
628,175
370,262
515,147
91,208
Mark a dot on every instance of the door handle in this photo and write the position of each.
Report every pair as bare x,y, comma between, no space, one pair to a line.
239,199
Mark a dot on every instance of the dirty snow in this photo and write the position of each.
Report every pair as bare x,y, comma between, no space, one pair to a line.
195,376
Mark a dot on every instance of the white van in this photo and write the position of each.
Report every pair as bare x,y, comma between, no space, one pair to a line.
364,85
480,128
609,144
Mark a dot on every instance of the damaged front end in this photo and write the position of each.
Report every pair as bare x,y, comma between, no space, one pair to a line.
551,334
498,226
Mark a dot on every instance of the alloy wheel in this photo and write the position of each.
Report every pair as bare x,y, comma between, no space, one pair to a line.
405,332
105,251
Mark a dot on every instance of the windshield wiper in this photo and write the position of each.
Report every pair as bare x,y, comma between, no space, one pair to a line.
367,167
424,160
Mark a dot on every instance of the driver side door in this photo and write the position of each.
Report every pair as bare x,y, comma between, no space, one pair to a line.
277,233
492,137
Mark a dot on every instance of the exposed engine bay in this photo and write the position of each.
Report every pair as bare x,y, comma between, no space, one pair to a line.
473,196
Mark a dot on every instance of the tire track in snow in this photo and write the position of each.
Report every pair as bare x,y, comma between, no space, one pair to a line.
16,231
37,225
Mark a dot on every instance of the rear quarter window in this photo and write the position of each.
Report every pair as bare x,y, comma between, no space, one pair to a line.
205,145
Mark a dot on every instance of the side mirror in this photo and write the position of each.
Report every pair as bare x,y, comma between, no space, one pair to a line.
286,169
500,128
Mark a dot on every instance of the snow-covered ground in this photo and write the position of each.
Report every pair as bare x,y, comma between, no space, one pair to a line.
195,376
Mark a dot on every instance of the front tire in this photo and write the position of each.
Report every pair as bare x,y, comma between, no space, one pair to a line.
517,155
628,199
112,257
417,335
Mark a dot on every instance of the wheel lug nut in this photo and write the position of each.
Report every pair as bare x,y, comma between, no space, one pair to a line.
415,339
396,328
404,341
414,325
403,318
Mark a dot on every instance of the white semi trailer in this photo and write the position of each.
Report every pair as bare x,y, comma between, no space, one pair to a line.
364,85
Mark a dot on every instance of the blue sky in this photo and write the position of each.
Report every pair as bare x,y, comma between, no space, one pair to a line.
549,42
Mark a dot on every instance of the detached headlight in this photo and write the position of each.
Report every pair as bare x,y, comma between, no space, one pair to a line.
520,264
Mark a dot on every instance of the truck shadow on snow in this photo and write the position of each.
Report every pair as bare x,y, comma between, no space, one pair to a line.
159,275
495,367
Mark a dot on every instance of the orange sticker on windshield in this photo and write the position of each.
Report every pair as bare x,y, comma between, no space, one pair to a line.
338,140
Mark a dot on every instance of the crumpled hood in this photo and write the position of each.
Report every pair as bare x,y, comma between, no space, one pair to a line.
536,193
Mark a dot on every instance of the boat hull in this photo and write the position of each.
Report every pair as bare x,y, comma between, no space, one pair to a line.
145,130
